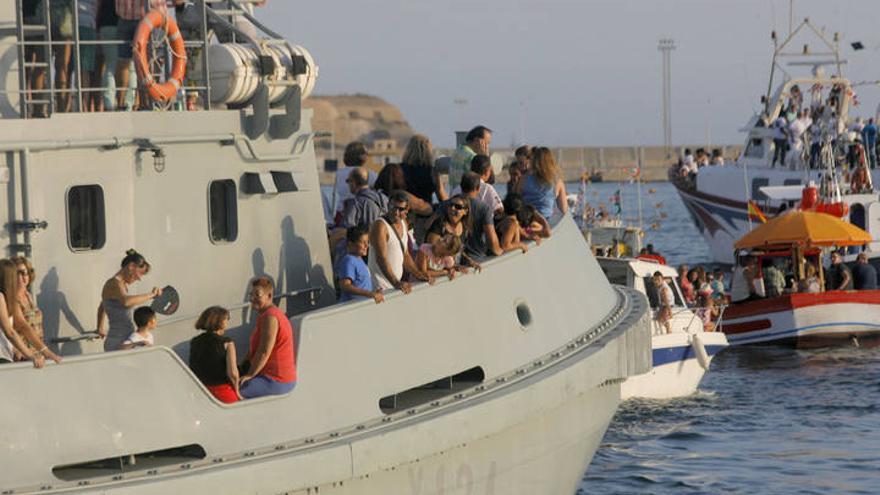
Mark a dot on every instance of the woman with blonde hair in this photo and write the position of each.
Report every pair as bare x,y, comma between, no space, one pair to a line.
421,178
543,186
16,333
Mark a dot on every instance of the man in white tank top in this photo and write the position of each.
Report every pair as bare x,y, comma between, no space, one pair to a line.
389,256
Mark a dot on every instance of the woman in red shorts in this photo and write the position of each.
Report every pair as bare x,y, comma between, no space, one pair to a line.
212,356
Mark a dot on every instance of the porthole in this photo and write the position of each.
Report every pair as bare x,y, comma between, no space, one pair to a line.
523,314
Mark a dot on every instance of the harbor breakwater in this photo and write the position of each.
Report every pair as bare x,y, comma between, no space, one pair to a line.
615,163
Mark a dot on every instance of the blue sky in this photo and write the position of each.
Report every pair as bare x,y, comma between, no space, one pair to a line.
566,72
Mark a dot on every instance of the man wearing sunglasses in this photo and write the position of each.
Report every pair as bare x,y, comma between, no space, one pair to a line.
389,259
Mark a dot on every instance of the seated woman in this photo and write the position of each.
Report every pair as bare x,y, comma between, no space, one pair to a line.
535,226
212,356
117,303
270,365
452,218
15,333
542,187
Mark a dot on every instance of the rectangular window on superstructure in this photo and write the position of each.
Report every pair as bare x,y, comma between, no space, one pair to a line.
85,218
222,211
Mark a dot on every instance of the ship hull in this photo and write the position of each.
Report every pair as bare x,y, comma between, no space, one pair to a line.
807,320
677,369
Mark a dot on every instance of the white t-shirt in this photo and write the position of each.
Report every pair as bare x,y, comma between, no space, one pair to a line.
666,296
797,129
137,340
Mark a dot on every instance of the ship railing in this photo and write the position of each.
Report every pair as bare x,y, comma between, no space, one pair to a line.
47,98
312,293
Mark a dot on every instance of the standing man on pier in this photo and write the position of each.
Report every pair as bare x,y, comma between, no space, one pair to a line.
475,143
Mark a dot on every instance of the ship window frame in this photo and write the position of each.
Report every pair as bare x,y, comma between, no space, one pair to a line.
98,238
230,196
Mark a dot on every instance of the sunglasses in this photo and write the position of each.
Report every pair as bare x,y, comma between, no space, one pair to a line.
458,207
399,209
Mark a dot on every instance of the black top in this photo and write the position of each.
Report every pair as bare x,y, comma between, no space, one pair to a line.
834,277
419,181
864,277
207,358
107,14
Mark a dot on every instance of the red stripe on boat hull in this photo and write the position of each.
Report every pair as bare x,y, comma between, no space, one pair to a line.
748,326
788,302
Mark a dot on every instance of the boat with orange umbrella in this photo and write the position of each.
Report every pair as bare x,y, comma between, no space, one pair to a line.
778,286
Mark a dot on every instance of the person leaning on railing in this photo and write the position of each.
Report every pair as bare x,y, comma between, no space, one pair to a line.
16,332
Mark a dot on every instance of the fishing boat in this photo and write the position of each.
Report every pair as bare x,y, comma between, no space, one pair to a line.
681,357
802,314
722,200
498,382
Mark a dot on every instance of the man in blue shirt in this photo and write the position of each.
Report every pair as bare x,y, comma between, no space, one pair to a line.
355,282
864,275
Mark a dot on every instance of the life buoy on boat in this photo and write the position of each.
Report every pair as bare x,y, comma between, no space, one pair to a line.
700,351
167,90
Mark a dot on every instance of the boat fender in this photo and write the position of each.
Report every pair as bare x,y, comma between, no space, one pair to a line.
700,351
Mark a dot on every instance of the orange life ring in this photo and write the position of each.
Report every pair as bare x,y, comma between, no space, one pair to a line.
167,90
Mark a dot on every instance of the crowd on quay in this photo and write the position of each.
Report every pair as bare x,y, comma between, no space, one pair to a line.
405,224
777,276
103,67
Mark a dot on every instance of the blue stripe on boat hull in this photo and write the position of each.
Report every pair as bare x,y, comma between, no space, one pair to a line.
668,355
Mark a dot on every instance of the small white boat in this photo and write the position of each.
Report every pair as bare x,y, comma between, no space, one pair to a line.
680,358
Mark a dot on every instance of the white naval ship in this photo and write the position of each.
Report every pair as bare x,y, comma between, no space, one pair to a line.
717,197
498,382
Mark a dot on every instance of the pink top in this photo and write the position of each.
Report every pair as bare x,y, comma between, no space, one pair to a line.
281,365
436,262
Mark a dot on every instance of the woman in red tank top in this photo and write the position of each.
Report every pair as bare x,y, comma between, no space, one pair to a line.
270,365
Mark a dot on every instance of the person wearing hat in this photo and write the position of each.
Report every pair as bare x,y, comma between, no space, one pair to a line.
838,276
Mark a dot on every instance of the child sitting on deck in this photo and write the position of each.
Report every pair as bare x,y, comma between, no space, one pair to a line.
353,274
437,258
145,319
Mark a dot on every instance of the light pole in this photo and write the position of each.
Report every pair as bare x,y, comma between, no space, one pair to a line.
665,46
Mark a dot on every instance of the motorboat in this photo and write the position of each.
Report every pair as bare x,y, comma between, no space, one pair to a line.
680,357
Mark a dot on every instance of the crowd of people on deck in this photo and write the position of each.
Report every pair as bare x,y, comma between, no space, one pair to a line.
391,230
406,224
103,67
776,276
799,132
703,290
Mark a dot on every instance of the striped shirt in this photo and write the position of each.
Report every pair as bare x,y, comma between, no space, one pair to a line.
134,10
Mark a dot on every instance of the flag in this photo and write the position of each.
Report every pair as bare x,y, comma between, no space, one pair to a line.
756,213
